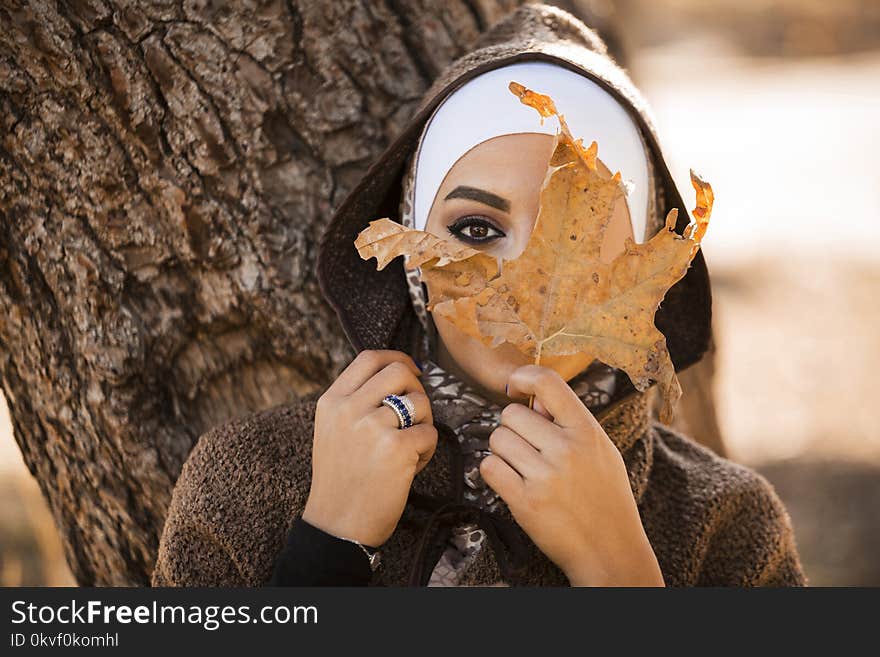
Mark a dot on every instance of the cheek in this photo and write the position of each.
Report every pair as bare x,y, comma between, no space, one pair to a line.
437,221
523,233
568,367
490,367
437,227
463,348
619,229
521,224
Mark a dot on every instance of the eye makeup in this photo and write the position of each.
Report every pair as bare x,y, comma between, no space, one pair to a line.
475,229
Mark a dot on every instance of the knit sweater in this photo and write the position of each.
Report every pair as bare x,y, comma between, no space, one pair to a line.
710,521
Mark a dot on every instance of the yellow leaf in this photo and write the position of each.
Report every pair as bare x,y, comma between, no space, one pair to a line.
558,298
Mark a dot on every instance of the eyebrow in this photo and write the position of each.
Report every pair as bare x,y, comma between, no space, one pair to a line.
481,195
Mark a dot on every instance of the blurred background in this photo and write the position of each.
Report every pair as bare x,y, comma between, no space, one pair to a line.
777,104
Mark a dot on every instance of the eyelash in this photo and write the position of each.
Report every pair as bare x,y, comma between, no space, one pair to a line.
473,220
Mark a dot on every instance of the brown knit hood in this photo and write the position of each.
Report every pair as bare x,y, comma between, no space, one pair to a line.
374,307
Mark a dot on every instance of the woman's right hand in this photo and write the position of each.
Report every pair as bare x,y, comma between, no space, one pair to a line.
362,464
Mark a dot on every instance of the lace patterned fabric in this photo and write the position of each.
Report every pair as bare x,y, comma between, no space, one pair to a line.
473,418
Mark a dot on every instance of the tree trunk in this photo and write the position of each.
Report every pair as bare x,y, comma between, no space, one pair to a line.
166,169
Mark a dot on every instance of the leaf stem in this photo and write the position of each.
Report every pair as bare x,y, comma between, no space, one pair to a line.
537,362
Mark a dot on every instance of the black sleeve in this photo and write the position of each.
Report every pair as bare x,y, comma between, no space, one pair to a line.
313,557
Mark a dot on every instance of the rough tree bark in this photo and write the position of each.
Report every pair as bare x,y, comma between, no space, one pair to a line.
165,171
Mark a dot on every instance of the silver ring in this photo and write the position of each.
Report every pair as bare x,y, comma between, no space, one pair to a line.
403,408
410,406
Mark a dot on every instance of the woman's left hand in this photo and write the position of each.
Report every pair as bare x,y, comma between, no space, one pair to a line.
566,485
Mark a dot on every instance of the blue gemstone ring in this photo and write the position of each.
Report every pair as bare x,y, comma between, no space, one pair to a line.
403,407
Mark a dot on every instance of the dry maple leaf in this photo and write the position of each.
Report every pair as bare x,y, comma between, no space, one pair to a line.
557,297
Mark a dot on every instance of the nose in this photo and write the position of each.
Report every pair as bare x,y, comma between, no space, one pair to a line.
524,223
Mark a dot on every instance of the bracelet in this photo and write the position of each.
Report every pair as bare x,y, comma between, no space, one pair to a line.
372,553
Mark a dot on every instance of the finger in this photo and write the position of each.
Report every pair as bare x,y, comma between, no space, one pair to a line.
503,479
538,407
516,451
423,438
365,365
394,379
551,390
422,404
538,430
423,415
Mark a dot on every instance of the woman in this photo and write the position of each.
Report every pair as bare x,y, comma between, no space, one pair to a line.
456,481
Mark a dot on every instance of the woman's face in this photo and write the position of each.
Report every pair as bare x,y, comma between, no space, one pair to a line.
489,201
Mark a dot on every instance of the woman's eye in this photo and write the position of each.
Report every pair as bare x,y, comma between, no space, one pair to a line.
475,230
